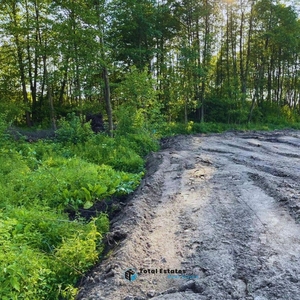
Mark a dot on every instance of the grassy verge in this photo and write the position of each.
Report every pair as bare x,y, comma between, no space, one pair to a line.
192,128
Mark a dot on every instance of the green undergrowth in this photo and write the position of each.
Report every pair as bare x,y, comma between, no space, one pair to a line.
43,251
191,127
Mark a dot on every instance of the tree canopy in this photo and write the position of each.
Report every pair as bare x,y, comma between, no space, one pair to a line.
227,61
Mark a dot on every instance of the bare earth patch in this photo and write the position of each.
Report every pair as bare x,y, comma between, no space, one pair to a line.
224,208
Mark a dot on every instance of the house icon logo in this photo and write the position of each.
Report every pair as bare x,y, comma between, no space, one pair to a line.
130,275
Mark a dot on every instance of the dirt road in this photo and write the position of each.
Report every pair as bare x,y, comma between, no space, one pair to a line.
217,217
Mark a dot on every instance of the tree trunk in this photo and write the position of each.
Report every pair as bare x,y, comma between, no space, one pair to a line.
107,101
49,95
21,67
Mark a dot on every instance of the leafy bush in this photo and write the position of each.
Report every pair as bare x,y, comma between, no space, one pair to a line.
142,142
108,151
179,128
43,253
5,138
122,153
61,183
12,110
210,127
71,130
126,159
140,108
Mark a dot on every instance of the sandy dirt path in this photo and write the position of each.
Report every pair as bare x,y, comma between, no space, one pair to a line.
217,217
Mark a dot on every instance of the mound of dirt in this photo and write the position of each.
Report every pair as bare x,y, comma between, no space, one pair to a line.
216,217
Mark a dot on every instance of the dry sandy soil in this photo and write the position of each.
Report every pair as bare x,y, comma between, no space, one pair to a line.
223,208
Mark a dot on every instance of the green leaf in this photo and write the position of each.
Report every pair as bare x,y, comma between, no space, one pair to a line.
100,190
86,194
15,283
88,204
66,193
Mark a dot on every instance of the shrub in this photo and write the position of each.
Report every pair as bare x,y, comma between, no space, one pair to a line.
5,137
122,153
71,130
142,143
43,253
70,183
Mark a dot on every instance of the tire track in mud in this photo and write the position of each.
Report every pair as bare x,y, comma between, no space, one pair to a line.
225,208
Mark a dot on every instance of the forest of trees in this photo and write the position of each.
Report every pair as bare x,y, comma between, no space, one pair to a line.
230,61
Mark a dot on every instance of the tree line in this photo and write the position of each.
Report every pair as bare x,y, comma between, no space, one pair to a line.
231,61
